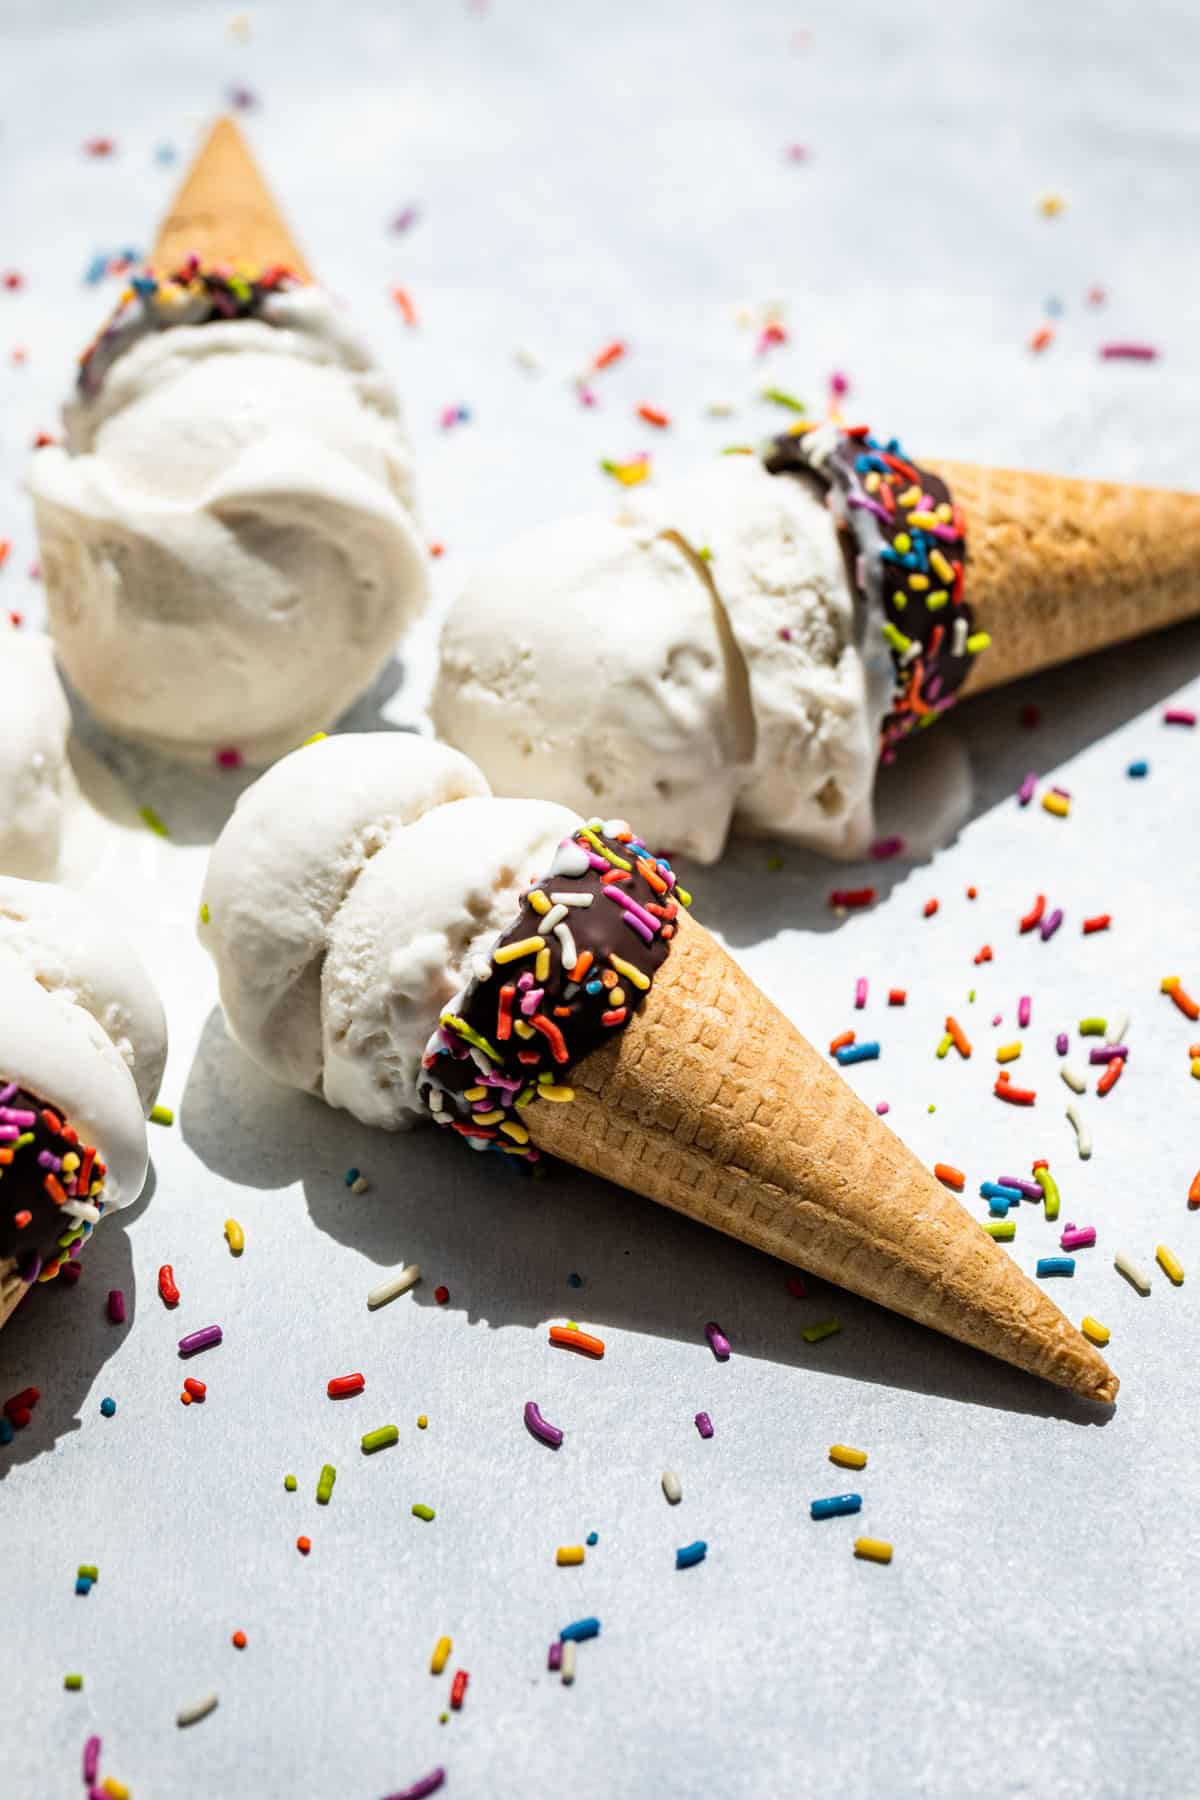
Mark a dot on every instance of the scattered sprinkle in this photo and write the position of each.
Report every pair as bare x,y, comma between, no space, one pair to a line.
813,1334
691,1554
380,1438
205,1339
1055,1265
441,1654
541,1428
873,1550
569,1556
836,1506
1133,1272
718,1343
108,1406
394,1286
671,1487
1128,353
571,1338
162,1115
421,1511
704,1425
235,1237
847,1458
238,1640
199,1709
1170,1264
1094,1330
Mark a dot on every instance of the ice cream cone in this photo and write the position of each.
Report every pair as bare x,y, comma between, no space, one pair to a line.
712,1103
1058,568
224,212
12,1290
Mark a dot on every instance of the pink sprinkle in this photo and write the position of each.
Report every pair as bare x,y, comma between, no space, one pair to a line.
704,1425
586,396
1179,715
718,1343
116,1306
996,1018
887,847
1024,1009
1078,1237
554,1656
797,153
773,334
1027,790
91,1760
860,992
1063,793
1128,353
229,759
839,385
882,1106
449,417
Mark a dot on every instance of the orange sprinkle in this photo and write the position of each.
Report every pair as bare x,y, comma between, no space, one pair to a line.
614,352
897,996
608,977
613,876
576,1340
185,1398
436,550
931,907
1042,340
1194,1191
238,1640
839,1043
984,955
1187,1006
653,416
952,1177
54,1188
549,1029
961,1041
649,873
1111,1075
586,959
303,1545
403,300
508,994
1004,1090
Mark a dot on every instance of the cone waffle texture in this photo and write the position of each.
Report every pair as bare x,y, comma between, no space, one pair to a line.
1057,568
12,1290
711,1103
225,213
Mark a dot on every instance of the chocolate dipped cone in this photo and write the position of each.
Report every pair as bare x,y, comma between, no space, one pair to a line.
12,1290
1058,568
711,1102
224,213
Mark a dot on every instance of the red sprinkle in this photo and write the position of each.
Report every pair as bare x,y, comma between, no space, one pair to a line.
229,759
798,1290
852,896
116,1306
1031,918
441,1295
1004,1090
342,1386
653,416
238,1640
972,893
1111,1075
1098,922
984,955
168,1292
100,146
195,1390
24,1402
458,1688
931,907
897,996
1042,340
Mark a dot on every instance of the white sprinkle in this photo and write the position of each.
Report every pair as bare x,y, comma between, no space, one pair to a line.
719,409
1117,1034
671,1487
395,1285
572,899
547,923
436,1100
1133,1272
959,644
525,359
82,1209
1082,1132
566,944
567,1667
360,1185
1074,1080
482,968
615,827
199,1709
570,860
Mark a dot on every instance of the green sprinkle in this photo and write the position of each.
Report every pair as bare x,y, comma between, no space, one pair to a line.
971,995
896,638
1093,1027
325,1484
943,1049
452,1022
738,450
1004,1231
289,1482
380,1439
979,640
73,1683
423,1512
704,553
602,849
931,1107
780,397
161,1115
87,1572
151,819
1049,1187
774,864
205,915
812,1334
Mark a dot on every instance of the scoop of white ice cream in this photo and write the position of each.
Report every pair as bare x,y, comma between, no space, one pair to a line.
35,779
589,663
227,536
771,552
345,901
81,1025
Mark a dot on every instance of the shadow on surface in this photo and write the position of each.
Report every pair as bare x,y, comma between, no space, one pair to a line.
643,1268
60,1337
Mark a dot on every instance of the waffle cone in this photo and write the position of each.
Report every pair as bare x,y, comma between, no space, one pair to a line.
224,212
1058,568
711,1103
12,1290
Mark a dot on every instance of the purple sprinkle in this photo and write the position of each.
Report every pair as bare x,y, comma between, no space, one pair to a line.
47,1160
1078,1237
631,906
8,1093
406,219
1051,923
1063,793
1027,790
91,1759
1179,715
860,992
29,1268
865,505
1128,353
554,1655
541,1428
1062,1043
428,1784
204,1339
718,1343
116,1306
1108,1053
1024,1010
17,1115
704,1425
1029,1189
636,925
887,847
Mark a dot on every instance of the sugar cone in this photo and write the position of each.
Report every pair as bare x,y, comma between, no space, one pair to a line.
225,213
711,1103
12,1290
1057,568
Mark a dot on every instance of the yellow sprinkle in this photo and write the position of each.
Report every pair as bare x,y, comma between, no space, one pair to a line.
945,512
846,1458
1196,1067
1008,1052
318,737
515,1131
918,582
978,641
1093,1329
116,1790
551,1092
1167,983
926,520
1170,1264
487,1118
902,541
940,566
1050,205
937,599
422,1421
567,1555
475,1093
541,968
685,899
161,1115
205,915
522,1029
602,849
909,497
235,1236
629,972
538,900
150,818
441,1655
1056,804
873,1550
943,1048
616,996
523,947
872,482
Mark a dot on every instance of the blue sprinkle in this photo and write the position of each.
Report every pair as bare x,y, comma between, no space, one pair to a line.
1056,1265
83,1584
1139,770
994,1190
593,1537
593,987
836,1505
998,1206
165,155
580,1631
350,1177
855,1053
1054,307
97,269
108,1406
691,1554
144,284
574,1280
6,1432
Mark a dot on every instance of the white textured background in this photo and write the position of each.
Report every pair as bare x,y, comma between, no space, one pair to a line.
585,173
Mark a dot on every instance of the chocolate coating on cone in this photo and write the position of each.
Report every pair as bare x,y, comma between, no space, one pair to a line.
35,1188
711,1102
